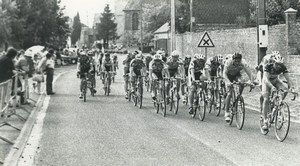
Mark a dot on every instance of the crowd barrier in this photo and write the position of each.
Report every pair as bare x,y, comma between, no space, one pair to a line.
10,101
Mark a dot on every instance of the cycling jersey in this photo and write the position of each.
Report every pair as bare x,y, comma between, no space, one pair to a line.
186,65
197,65
212,65
84,63
156,65
275,71
234,69
107,65
172,65
148,59
137,65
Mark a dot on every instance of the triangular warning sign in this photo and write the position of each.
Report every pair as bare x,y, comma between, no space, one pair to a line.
206,41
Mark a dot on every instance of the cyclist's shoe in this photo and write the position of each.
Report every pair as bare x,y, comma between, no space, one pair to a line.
153,96
227,117
184,101
168,99
95,91
191,110
126,96
265,125
80,96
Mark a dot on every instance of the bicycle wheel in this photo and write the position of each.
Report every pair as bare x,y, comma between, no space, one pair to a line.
163,104
232,109
282,121
202,103
240,112
172,101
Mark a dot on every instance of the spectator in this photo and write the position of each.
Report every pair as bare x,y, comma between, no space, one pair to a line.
37,85
23,66
47,65
7,68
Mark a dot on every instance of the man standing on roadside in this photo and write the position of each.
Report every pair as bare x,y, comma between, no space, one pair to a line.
47,65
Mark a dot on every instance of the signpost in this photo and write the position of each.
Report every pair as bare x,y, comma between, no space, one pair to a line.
206,42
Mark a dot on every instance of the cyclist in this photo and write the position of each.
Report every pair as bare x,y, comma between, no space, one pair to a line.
115,60
272,67
107,66
214,67
232,72
195,73
83,66
156,71
186,64
126,64
93,69
137,68
174,67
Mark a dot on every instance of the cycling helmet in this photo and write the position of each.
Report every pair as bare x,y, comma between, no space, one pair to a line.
90,53
188,56
220,58
199,56
81,52
138,56
277,57
157,56
175,53
159,52
237,56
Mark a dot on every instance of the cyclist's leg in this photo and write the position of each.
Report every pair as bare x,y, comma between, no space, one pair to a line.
265,105
191,98
228,98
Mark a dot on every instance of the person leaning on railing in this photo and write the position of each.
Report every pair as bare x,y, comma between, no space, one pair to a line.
7,68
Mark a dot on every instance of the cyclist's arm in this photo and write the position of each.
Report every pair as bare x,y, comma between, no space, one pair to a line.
287,77
225,76
247,70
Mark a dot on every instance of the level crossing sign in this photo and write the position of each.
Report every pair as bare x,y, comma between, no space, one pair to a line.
206,41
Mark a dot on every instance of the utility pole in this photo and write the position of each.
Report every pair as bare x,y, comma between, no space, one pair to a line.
261,20
191,15
173,47
141,13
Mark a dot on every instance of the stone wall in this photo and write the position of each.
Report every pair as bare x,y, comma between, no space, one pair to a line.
233,40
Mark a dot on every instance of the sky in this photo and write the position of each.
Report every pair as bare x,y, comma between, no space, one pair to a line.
86,9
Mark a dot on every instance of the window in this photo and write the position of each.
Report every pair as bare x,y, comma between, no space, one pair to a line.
135,21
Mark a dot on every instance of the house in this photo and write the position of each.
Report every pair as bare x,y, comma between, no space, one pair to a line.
87,37
162,38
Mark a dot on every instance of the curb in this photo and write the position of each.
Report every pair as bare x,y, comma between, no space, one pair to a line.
16,151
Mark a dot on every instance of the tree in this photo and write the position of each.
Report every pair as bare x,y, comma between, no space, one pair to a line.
107,28
274,10
75,35
182,16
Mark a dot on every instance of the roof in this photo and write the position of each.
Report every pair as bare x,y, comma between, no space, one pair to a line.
133,5
163,29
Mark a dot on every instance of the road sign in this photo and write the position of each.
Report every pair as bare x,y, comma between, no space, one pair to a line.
206,41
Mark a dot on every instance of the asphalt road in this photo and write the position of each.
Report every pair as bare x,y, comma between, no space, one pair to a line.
109,130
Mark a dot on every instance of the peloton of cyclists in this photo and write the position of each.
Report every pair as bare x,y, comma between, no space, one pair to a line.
126,63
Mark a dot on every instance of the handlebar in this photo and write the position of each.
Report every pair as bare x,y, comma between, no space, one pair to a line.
251,85
295,94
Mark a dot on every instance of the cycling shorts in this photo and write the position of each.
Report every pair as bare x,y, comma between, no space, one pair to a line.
157,75
279,84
